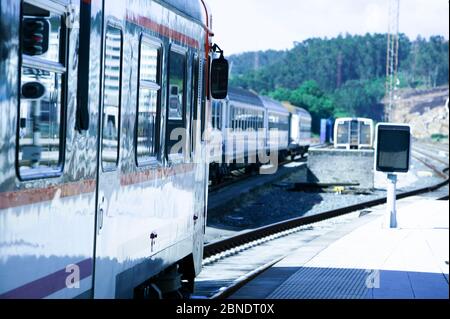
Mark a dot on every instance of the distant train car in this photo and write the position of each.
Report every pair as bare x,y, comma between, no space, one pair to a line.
245,122
299,129
277,125
235,124
94,201
353,133
327,131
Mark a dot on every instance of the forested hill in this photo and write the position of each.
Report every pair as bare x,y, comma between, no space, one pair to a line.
342,76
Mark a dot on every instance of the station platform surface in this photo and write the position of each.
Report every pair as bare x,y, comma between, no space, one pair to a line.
367,260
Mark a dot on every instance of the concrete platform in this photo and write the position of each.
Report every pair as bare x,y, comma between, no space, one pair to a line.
367,260
329,165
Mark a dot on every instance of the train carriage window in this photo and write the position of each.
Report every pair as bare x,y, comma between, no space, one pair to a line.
261,120
111,97
237,114
149,97
203,81
41,102
342,132
177,102
231,117
253,126
247,120
213,120
195,105
217,115
365,134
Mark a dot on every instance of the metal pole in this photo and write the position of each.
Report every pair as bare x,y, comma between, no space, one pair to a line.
391,198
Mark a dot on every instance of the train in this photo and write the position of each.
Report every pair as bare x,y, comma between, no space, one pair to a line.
99,195
327,131
353,133
246,124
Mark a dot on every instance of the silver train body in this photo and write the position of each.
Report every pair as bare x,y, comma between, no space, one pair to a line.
281,127
353,133
92,202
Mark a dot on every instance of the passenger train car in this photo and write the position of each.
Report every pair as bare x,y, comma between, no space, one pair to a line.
353,133
244,123
99,197
299,129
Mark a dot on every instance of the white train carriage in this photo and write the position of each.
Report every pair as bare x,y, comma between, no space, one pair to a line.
353,133
299,129
277,124
96,199
238,132
245,116
246,124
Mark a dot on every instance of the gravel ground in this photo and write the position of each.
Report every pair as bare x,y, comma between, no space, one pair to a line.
279,201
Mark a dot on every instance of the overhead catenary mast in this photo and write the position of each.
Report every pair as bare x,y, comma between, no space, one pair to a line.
392,57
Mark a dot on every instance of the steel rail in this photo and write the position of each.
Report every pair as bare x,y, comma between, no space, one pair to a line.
252,235
270,230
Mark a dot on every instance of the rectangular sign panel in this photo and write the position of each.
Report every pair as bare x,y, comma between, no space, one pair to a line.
393,148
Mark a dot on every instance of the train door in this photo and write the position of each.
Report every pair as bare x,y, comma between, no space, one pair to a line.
354,134
108,175
198,153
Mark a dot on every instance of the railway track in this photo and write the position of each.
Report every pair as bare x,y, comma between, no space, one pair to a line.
439,155
240,174
426,154
230,263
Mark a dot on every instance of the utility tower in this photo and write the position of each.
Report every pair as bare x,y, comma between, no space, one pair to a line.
392,57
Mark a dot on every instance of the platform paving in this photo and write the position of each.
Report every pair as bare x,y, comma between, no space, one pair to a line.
367,259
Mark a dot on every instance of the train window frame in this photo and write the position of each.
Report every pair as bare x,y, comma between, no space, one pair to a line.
176,158
44,64
219,115
154,159
195,96
114,167
203,66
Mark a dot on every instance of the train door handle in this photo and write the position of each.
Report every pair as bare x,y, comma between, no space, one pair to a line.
100,214
100,220
195,218
153,237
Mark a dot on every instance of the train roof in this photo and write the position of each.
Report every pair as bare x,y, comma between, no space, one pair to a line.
244,96
359,119
193,8
296,109
273,105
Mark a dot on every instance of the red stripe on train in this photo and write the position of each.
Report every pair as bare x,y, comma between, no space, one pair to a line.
163,30
36,195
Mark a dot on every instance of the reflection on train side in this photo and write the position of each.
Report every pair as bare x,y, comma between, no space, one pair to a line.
111,100
149,92
42,71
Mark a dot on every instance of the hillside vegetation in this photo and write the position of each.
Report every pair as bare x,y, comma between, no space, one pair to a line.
343,76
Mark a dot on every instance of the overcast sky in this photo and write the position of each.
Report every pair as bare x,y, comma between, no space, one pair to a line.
249,25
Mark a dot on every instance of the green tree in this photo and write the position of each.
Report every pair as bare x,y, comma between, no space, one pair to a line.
343,75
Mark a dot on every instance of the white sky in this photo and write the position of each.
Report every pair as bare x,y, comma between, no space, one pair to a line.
249,25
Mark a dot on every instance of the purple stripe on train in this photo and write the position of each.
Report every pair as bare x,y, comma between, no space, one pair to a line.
50,284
